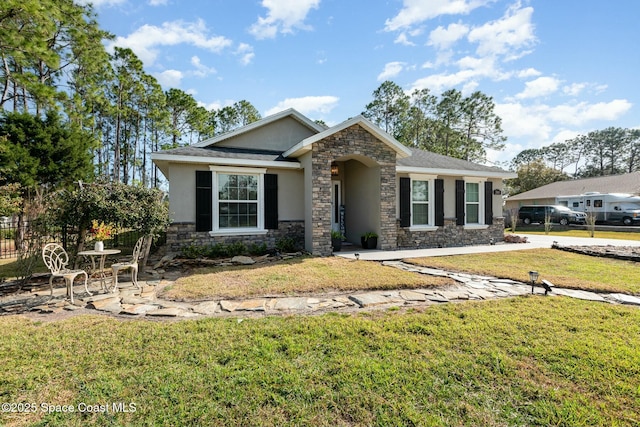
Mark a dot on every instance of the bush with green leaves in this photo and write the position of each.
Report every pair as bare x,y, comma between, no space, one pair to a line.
131,207
286,244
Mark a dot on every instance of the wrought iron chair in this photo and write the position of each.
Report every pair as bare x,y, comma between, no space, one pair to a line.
56,260
132,264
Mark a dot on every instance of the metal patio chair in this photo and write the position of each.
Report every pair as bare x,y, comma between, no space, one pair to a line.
56,260
132,264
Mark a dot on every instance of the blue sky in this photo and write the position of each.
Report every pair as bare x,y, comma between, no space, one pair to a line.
555,69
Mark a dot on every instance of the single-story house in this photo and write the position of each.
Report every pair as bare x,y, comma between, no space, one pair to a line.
628,183
286,176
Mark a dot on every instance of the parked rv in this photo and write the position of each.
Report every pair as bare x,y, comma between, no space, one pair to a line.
610,208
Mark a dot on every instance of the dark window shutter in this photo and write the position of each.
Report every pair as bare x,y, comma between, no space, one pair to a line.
271,201
460,202
405,202
203,201
439,202
488,202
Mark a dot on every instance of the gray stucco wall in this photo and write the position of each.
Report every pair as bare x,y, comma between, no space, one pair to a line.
183,194
277,136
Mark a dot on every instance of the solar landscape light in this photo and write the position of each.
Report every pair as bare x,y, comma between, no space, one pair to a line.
533,276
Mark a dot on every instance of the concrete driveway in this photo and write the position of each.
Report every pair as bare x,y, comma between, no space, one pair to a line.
536,241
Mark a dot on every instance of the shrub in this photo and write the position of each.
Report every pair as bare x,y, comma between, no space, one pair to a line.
286,244
221,250
236,248
257,249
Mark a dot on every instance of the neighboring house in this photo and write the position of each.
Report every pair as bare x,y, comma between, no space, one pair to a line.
286,176
628,183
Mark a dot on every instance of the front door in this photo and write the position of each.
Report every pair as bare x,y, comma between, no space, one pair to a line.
336,201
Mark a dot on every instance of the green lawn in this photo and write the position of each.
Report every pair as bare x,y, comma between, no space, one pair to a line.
297,276
521,361
619,235
561,268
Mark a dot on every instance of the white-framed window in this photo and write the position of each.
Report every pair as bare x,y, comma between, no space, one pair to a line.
422,201
472,207
238,200
474,202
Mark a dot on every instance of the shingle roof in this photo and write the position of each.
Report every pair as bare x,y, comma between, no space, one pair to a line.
228,153
427,159
627,183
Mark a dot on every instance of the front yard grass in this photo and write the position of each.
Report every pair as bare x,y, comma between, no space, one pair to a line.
297,276
564,269
568,232
519,361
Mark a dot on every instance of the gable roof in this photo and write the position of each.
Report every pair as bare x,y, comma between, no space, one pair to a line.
305,145
409,160
627,183
313,126
427,162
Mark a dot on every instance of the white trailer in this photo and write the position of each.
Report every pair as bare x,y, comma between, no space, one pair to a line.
607,208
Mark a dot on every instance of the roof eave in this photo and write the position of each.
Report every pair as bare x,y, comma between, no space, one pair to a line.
163,160
456,172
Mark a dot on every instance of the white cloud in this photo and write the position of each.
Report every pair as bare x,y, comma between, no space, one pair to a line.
391,69
565,134
283,16
201,69
441,82
306,104
169,78
519,120
529,72
145,40
416,11
574,89
469,87
443,38
158,2
216,105
403,40
537,122
471,69
583,112
245,52
507,36
542,86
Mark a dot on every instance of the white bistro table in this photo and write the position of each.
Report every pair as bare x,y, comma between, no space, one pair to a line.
101,256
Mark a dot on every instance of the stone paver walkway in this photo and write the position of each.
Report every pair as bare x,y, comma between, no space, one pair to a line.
129,301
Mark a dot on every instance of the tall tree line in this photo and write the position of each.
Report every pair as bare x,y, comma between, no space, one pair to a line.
609,151
53,62
460,126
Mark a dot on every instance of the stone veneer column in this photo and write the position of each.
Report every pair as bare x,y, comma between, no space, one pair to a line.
353,140
388,239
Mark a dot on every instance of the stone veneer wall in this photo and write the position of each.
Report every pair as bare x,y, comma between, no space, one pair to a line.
182,234
354,140
450,235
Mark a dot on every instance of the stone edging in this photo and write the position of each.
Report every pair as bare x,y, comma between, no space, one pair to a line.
627,253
